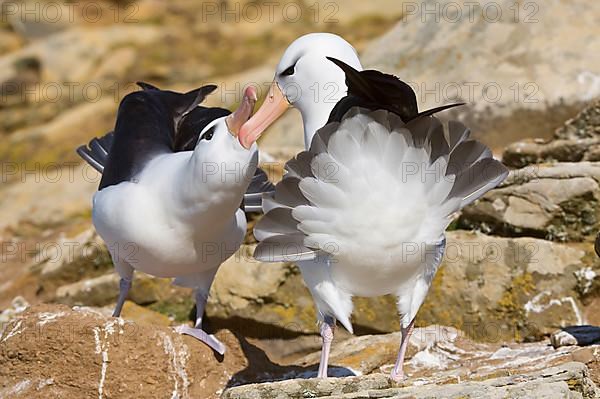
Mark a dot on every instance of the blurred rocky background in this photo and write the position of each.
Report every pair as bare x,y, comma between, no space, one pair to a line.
520,263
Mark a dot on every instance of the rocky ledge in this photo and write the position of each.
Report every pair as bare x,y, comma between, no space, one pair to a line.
569,380
58,351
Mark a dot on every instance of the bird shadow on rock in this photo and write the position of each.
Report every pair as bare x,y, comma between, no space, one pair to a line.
261,369
254,329
251,328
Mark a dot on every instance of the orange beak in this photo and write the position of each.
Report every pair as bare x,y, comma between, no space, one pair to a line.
274,106
241,115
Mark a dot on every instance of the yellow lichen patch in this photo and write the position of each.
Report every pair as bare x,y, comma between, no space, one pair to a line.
431,313
510,307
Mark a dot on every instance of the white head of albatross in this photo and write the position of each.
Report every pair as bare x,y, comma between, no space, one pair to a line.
376,226
307,81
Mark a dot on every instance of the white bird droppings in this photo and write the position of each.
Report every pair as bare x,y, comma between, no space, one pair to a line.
177,373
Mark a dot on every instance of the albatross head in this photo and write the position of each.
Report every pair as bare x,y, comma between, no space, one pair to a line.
218,156
221,134
304,79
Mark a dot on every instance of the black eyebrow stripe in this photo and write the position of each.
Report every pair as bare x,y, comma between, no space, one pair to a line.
291,66
210,130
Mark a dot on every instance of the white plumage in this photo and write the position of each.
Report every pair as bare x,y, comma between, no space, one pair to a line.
363,211
166,210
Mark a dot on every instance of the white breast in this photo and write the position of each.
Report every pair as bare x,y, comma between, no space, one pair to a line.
143,224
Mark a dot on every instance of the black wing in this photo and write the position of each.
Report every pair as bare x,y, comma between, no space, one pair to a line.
260,184
96,152
377,90
147,125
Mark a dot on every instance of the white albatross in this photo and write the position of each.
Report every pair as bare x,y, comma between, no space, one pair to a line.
173,177
363,210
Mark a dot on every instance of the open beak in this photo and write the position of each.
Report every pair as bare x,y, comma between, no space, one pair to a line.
241,115
274,106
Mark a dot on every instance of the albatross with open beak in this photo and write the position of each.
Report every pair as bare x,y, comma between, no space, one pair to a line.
364,209
173,177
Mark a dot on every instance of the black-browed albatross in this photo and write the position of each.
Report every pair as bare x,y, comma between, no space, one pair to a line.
364,209
173,178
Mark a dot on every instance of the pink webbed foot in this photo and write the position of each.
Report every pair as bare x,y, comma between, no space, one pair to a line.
203,336
397,376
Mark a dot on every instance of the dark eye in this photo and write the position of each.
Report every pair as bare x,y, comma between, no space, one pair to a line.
289,71
208,135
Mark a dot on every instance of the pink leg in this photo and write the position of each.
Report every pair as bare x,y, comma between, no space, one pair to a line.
398,371
327,331
197,332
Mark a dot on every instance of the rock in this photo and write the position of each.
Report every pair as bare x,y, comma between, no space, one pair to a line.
18,305
436,354
587,355
451,51
116,65
140,314
93,66
565,381
496,288
71,194
55,351
68,260
530,151
370,353
312,388
40,162
585,125
81,51
9,41
578,139
104,290
553,201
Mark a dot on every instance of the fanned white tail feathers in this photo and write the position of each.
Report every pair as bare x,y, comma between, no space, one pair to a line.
372,183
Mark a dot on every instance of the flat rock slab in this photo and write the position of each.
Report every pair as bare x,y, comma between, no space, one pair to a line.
556,202
569,380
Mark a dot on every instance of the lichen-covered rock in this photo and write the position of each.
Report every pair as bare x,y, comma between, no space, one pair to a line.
530,151
557,202
585,125
578,139
496,288
309,388
104,290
